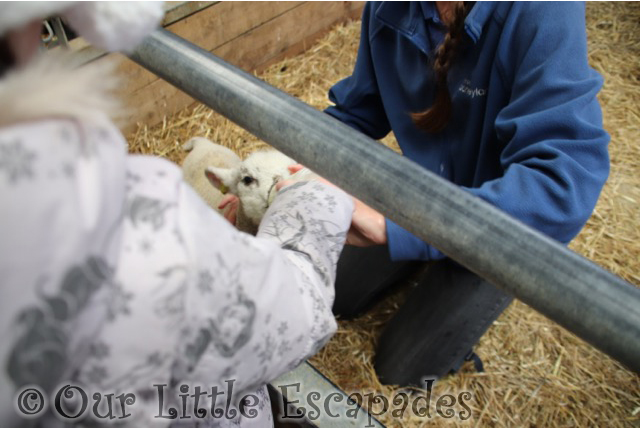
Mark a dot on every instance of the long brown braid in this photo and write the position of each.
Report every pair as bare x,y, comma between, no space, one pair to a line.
436,117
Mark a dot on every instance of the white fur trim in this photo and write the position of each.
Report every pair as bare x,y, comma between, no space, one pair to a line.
15,14
112,26
48,87
115,26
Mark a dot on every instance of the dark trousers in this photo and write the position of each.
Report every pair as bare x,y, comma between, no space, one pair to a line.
442,318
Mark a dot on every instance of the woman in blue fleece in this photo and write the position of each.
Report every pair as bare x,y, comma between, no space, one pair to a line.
498,98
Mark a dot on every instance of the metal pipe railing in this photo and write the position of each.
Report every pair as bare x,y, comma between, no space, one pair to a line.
594,304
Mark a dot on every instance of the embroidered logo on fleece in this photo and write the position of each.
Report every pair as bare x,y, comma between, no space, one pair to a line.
466,89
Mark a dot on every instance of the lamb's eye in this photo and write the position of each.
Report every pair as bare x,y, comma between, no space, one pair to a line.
247,180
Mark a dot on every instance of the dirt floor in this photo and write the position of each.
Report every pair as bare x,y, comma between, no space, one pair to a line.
536,373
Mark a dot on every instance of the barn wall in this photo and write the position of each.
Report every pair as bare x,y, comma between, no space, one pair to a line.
250,35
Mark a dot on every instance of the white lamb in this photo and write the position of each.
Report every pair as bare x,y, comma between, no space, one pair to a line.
214,170
254,182
202,154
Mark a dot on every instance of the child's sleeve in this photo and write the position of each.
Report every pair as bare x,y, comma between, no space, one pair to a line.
261,305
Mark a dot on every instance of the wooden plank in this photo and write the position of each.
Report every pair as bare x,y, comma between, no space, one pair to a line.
177,10
152,103
353,12
227,20
209,29
286,34
266,42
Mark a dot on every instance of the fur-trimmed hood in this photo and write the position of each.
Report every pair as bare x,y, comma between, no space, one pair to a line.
49,87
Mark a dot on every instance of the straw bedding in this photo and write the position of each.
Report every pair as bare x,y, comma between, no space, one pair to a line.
536,373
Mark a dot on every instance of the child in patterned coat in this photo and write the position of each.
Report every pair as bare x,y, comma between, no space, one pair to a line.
117,278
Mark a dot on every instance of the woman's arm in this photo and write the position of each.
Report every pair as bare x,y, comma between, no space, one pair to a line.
357,99
554,155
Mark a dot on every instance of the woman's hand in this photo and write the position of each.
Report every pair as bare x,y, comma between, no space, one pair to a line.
368,226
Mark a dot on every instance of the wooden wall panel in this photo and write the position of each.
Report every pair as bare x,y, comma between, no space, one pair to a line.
250,35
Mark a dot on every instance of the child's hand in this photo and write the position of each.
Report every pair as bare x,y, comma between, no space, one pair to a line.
231,202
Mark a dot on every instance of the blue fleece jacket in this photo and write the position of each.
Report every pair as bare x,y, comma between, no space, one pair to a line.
526,131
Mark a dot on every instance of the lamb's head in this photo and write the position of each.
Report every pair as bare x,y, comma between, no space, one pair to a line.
253,181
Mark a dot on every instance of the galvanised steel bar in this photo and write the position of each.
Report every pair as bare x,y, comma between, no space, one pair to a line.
594,304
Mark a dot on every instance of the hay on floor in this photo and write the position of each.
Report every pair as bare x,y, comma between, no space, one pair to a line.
536,373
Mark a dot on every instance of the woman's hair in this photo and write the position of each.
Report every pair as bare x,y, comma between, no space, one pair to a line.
7,59
436,117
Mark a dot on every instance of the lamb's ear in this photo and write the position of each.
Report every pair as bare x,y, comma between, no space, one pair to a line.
188,146
221,178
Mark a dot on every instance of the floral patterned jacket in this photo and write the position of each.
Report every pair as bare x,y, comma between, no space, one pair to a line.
118,279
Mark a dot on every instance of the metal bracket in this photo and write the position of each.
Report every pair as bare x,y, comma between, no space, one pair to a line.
305,397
